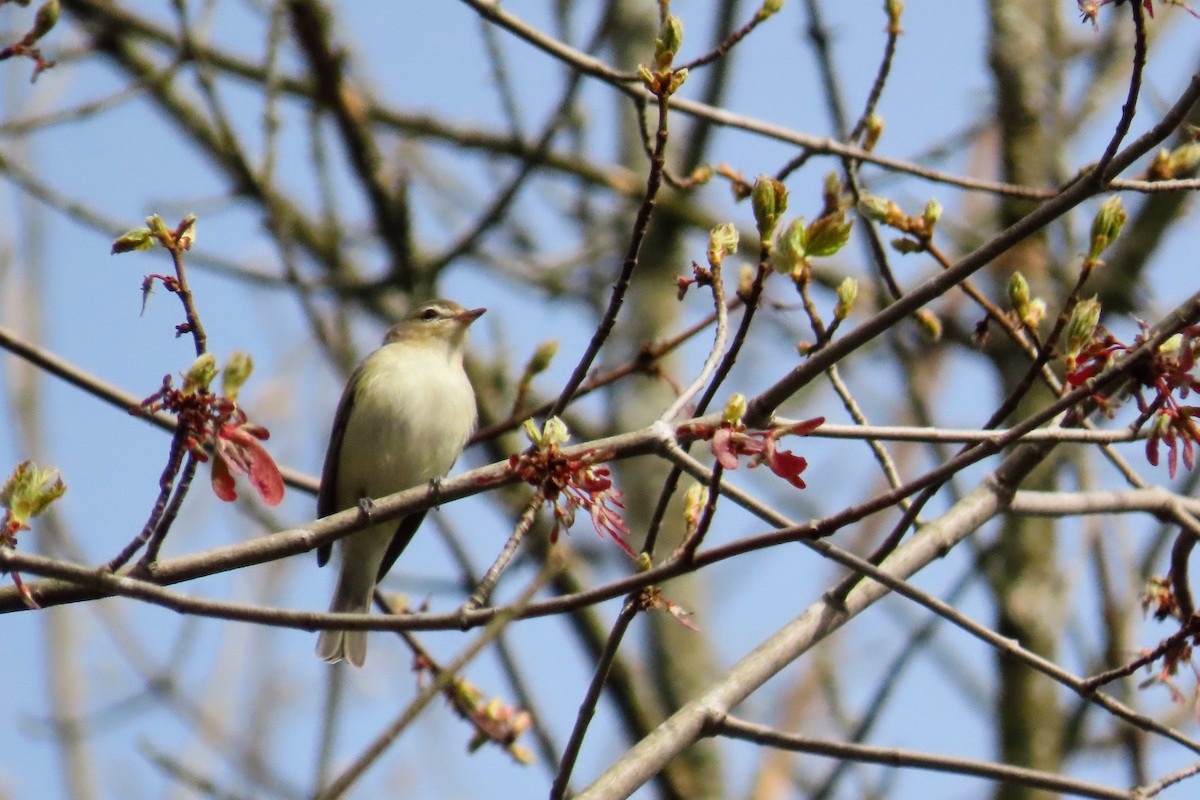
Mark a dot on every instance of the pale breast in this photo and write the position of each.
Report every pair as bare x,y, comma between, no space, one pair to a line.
410,420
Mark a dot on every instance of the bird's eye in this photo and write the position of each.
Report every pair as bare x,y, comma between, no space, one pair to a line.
429,313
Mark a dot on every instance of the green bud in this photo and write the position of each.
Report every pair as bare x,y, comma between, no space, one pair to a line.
135,239
769,8
831,192
1082,324
533,433
158,228
877,209
541,358
677,79
694,501
555,431
1035,312
722,241
769,200
929,324
735,409
827,235
1183,160
200,374
847,293
905,245
791,247
237,372
646,76
1106,226
188,237
872,132
931,214
894,9
670,37
46,18
29,490
702,174
1018,293
1171,345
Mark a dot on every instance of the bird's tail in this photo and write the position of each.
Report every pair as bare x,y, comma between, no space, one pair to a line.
334,645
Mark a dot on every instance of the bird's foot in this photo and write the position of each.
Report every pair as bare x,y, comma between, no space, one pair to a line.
366,507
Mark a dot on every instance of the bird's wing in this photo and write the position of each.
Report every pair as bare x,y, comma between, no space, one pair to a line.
404,534
327,494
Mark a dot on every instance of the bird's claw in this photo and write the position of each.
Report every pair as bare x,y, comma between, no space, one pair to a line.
366,507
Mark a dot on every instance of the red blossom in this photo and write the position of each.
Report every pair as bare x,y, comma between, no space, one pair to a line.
573,483
730,441
215,425
238,449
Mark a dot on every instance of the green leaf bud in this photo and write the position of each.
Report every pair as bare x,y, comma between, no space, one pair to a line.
1081,325
769,200
827,235
735,409
1106,226
200,374
29,490
722,241
236,373
134,239
929,324
847,293
670,37
1018,293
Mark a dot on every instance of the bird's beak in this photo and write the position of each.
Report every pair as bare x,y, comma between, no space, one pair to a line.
469,315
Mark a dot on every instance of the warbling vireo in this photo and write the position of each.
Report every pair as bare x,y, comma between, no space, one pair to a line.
403,420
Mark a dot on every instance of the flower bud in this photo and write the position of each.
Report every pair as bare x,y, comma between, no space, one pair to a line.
1034,313
237,371
694,501
827,235
670,37
200,374
722,241
931,214
894,9
542,356
555,431
791,247
1183,160
1106,226
1171,345
188,236
769,8
135,239
1081,325
46,18
872,132
677,79
847,293
831,192
877,209
159,229
1018,293
769,200
735,409
929,324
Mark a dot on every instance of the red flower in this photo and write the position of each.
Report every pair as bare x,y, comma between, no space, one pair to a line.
731,440
237,449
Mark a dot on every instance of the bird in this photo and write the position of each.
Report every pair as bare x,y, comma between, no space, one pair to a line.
404,418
